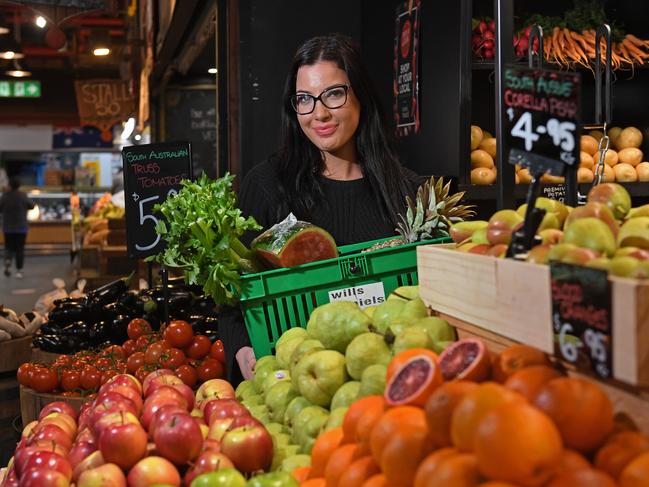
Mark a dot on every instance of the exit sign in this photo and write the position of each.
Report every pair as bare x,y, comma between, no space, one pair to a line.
20,89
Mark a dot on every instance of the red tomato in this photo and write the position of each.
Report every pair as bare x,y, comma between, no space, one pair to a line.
143,342
164,344
138,327
142,372
107,375
44,379
102,363
114,351
90,378
217,351
24,374
70,394
210,369
199,347
129,347
179,334
134,362
153,354
70,380
187,374
172,358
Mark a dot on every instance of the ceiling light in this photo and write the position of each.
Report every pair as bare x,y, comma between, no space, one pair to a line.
4,30
212,70
41,21
101,51
10,49
138,137
100,43
18,71
129,126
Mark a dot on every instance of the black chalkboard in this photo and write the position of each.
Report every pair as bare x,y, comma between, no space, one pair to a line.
151,173
81,4
190,114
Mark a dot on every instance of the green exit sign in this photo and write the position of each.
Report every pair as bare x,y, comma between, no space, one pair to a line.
20,89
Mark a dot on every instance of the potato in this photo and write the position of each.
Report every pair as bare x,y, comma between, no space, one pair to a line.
487,135
643,171
489,146
613,133
585,175
524,176
625,173
611,158
630,155
629,137
609,174
589,144
586,160
596,134
476,136
550,179
480,158
483,175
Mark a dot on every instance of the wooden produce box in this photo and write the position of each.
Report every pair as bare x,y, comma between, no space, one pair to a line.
117,224
115,262
89,257
116,238
31,403
512,299
15,352
43,357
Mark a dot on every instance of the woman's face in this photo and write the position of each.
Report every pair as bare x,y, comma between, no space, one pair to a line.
330,130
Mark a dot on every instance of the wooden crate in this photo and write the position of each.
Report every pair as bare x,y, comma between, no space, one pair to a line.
89,257
512,299
15,352
115,262
117,224
43,357
10,425
31,403
116,238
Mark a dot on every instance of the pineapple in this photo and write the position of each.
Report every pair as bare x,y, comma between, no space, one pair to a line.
430,216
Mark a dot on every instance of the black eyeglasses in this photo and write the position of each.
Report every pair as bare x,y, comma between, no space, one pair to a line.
334,97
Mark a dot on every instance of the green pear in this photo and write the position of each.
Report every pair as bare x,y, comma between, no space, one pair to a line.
263,371
296,461
256,400
336,324
635,233
275,429
345,395
293,409
404,293
386,312
260,413
284,350
414,309
244,390
290,334
593,234
266,361
336,418
438,329
307,346
307,426
364,350
320,374
283,452
280,439
277,399
273,378
413,337
369,310
373,381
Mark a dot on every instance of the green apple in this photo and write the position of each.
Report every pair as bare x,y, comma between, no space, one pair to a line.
275,428
295,461
227,477
414,308
254,400
307,426
413,337
261,373
293,409
280,440
438,329
275,377
265,361
290,334
320,374
336,324
386,312
274,479
282,452
304,348
336,418
364,350
277,399
285,350
260,413
244,390
345,395
373,381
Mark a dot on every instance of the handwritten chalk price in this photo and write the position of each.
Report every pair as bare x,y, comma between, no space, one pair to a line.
568,346
561,133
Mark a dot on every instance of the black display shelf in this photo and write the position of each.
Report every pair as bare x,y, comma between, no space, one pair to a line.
475,192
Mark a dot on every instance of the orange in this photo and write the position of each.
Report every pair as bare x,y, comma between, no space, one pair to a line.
364,429
580,409
301,473
378,480
497,483
636,473
586,477
317,482
402,419
340,459
428,466
515,358
414,382
358,472
571,460
365,405
439,409
518,443
401,358
459,470
529,380
322,449
619,451
403,453
472,408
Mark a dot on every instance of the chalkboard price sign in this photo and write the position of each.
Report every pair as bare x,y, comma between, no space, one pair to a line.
582,317
152,173
541,117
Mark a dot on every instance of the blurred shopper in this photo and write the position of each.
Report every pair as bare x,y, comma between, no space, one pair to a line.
14,205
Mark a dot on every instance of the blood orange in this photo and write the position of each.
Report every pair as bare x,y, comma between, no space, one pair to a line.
439,409
466,359
414,381
583,478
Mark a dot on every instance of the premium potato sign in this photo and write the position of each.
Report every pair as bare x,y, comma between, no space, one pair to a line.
104,102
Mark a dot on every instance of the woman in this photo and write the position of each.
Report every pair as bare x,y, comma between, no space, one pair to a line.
14,205
337,167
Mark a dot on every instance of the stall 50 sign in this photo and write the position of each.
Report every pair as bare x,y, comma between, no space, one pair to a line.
103,103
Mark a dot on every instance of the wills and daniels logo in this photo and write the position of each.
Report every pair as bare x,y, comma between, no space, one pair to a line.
364,295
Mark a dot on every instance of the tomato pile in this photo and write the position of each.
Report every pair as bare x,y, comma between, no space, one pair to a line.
193,358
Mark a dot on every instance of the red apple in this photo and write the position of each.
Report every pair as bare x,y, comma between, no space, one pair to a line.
122,380
109,400
94,460
62,420
79,451
214,389
153,375
210,444
85,434
250,448
186,391
58,407
43,477
23,454
115,417
223,408
129,393
162,380
162,396
178,438
28,429
204,428
219,427
49,460
123,444
208,461
153,470
107,475
11,479
50,432
85,416
163,414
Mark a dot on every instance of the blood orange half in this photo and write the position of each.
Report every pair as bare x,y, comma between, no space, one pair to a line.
414,381
466,359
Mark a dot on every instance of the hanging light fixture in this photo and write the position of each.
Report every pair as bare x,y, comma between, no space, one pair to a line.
10,49
18,71
100,43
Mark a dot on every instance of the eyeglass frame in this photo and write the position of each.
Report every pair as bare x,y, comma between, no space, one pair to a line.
319,98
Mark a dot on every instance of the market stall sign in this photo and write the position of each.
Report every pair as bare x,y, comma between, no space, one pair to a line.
20,89
152,173
541,113
104,102
406,67
555,192
582,317
78,4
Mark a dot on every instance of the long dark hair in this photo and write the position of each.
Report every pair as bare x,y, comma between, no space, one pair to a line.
300,162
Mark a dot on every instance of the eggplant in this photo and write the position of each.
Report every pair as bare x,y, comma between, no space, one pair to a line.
80,329
51,328
99,332
213,335
110,292
68,313
204,324
118,329
62,301
204,305
59,343
153,320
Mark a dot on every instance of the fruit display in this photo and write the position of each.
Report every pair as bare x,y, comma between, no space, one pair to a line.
483,154
342,355
191,358
606,233
470,418
145,433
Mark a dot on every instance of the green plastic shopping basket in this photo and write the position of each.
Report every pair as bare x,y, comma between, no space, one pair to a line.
274,301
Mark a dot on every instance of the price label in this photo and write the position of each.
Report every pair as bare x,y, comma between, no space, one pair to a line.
581,317
541,118
152,173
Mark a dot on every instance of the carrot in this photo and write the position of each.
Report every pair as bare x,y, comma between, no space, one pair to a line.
580,39
636,41
638,53
626,57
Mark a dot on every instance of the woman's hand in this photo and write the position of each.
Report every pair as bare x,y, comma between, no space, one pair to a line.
246,360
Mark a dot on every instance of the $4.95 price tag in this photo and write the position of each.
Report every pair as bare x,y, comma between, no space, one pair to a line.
541,118
582,317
